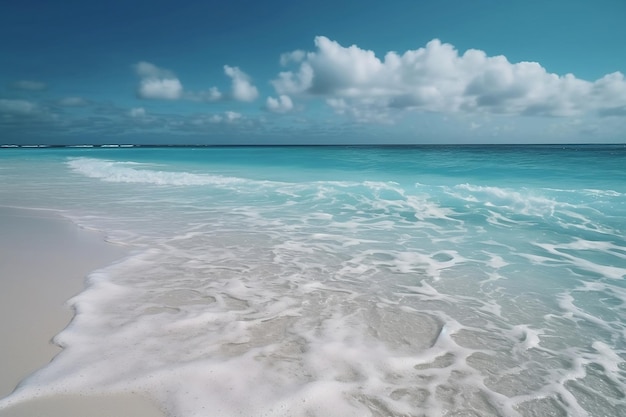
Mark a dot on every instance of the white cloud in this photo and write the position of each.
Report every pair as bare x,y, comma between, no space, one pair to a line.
232,116
282,104
29,85
229,117
294,56
148,70
19,107
166,89
437,78
137,112
157,83
338,104
362,110
608,94
242,89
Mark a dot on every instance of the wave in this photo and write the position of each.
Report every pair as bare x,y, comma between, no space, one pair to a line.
524,200
133,172
139,173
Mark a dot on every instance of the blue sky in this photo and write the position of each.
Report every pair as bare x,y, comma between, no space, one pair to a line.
324,72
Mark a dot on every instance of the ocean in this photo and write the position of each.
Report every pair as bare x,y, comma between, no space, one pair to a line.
343,281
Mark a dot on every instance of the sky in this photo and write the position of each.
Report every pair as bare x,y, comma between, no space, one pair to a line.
323,72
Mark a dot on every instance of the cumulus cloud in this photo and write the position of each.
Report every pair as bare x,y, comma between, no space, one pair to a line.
438,78
294,56
157,83
28,85
282,104
242,88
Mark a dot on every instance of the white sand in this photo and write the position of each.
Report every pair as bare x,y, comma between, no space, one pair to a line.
44,260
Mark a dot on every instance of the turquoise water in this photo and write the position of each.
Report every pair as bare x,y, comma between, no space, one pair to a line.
344,281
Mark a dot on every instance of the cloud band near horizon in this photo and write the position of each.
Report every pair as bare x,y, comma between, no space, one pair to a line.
334,87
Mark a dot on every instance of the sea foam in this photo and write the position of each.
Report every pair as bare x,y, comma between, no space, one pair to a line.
298,281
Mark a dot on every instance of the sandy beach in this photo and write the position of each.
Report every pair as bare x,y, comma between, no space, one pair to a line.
44,260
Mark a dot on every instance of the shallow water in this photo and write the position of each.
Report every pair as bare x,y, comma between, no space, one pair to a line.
339,281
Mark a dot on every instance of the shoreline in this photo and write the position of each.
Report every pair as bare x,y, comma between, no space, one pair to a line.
44,260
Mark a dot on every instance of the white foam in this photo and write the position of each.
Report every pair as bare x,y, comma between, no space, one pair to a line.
497,262
609,271
335,298
132,172
608,193
528,337
525,203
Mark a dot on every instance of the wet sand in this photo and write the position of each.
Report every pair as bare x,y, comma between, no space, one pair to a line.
44,260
